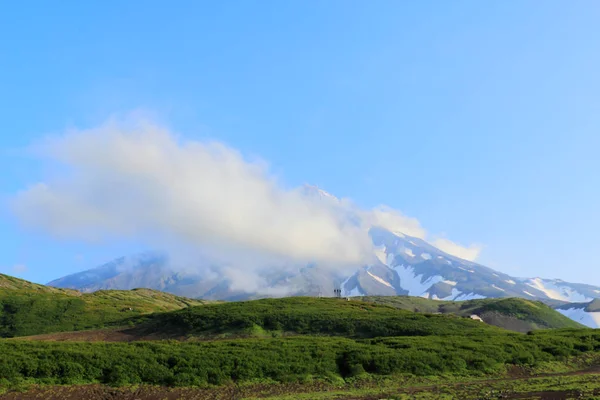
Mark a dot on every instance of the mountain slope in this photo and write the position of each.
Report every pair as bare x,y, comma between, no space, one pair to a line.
8,282
27,308
515,314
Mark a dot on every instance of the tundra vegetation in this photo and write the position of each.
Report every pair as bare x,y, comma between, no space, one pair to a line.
294,347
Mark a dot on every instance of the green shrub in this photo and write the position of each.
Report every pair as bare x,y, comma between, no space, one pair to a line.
291,359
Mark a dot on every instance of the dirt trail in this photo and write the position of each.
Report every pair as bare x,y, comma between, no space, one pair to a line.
101,392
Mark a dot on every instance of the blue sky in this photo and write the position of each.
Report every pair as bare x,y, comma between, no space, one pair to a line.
479,119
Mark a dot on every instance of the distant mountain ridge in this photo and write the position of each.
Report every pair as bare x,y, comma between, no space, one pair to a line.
404,265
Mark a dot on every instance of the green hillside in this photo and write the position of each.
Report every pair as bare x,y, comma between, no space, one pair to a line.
30,309
299,359
308,316
515,314
12,283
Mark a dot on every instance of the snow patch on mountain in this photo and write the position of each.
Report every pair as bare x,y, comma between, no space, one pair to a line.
426,256
378,279
469,296
510,281
591,319
414,283
409,252
381,254
498,288
451,283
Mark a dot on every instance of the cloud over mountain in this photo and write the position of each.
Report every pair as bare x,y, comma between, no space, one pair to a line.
137,179
467,253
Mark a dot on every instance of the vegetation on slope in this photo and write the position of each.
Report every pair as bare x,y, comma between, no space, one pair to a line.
535,314
295,359
516,314
309,316
30,309
12,283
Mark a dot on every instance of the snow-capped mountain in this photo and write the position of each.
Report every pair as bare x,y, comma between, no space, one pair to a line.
411,266
560,290
403,265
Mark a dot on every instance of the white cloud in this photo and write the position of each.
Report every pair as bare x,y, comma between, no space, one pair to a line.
395,221
138,179
468,253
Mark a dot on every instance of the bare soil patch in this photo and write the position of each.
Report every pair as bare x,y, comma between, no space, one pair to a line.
93,392
101,335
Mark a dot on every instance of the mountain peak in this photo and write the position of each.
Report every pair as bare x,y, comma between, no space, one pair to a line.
316,192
